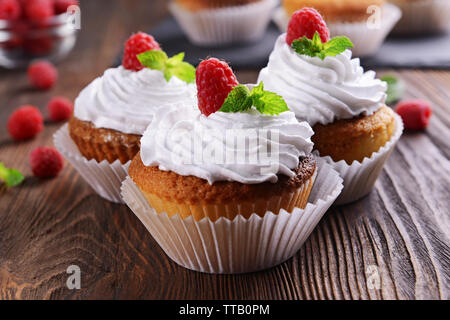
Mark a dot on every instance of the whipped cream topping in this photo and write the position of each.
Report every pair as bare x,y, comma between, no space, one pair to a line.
322,91
127,101
246,147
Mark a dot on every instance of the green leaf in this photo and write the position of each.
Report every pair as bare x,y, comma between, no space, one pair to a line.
12,177
238,100
315,47
153,59
267,102
396,89
183,71
176,59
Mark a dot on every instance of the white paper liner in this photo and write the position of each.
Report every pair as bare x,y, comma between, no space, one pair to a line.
421,17
366,40
104,177
359,177
225,25
240,245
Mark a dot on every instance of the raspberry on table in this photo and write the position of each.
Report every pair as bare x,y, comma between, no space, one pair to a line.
10,10
415,113
25,123
215,80
42,74
60,109
306,22
62,5
46,162
136,44
38,10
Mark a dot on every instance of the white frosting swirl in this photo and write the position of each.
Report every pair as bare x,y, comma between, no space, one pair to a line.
321,91
126,101
245,147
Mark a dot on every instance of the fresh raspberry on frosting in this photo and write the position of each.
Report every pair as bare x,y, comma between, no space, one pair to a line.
306,22
136,44
215,80
415,113
25,123
60,109
10,10
42,74
46,162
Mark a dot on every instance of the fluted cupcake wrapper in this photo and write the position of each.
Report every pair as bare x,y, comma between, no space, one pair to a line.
225,25
239,245
366,40
359,177
424,17
104,177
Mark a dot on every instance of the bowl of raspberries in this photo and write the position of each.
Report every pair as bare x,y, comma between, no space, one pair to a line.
36,29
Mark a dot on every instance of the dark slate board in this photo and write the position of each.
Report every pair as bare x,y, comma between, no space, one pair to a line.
422,53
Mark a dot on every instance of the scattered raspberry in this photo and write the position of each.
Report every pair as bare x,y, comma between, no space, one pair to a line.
25,123
46,162
136,44
60,109
10,10
62,5
306,22
42,74
415,114
38,10
215,80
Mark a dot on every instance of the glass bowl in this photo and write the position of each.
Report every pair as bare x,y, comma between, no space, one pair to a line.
23,41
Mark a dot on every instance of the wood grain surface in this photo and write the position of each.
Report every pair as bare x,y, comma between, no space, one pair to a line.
401,230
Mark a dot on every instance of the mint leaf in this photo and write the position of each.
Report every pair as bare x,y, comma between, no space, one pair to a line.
12,177
174,66
316,48
241,99
238,100
267,102
396,89
153,59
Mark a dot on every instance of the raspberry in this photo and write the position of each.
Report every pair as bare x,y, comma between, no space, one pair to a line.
415,113
136,44
62,5
38,10
306,22
60,109
39,46
46,162
10,10
42,74
215,80
25,123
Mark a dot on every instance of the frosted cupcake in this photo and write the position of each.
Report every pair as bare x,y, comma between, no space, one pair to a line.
365,22
220,22
235,174
324,86
112,112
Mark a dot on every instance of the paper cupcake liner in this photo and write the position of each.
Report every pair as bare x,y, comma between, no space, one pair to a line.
366,40
104,177
239,245
225,25
359,177
288,201
422,17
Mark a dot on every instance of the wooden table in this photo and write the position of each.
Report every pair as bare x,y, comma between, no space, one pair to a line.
400,231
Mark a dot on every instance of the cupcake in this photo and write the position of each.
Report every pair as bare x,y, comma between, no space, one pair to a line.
112,112
365,22
423,16
238,169
220,22
354,130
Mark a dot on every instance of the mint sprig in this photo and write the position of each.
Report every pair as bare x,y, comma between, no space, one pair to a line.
11,177
241,99
396,89
316,48
174,66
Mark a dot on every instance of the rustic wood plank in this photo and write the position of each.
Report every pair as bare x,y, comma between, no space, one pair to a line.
402,228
